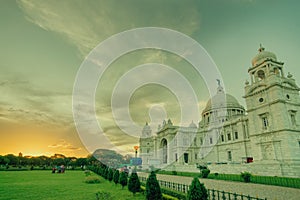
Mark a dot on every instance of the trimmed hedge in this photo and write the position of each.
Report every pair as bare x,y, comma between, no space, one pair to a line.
164,195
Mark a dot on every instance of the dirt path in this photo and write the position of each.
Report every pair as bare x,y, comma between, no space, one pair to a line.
256,190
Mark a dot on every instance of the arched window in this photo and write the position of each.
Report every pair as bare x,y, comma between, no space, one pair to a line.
261,75
164,145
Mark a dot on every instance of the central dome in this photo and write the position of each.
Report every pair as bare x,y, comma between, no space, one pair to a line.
222,100
262,56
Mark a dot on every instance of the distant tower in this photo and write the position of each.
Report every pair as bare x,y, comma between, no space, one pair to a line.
146,145
273,106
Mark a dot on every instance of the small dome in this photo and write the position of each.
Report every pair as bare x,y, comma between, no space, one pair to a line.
222,100
262,56
146,132
192,125
146,127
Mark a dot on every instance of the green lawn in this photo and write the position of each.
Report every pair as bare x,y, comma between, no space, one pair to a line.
39,185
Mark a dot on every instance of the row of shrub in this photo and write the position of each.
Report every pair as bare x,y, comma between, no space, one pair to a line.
151,188
114,175
243,177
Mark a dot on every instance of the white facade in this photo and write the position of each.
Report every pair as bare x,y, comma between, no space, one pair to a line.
228,135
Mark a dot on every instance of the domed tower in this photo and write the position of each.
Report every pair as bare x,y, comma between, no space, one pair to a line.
272,105
146,144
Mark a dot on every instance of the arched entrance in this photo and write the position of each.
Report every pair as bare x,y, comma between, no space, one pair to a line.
164,145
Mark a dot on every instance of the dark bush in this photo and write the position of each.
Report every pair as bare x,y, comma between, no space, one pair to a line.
116,176
110,174
152,188
246,176
134,184
197,191
123,179
205,173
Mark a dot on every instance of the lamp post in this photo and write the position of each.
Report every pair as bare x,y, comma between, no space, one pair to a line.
136,150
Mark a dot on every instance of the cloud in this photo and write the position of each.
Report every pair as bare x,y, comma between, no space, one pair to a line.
64,146
86,24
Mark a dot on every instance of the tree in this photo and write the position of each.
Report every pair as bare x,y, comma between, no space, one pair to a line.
152,188
81,162
134,184
123,179
105,173
110,174
4,160
110,158
116,177
197,191
91,160
12,159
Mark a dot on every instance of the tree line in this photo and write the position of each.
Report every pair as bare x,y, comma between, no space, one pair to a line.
104,156
45,161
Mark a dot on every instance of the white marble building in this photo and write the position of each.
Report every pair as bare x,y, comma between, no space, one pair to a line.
229,137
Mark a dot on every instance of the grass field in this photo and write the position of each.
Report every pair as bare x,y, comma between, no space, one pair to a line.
40,185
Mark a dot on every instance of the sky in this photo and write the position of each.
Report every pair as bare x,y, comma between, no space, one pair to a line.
44,44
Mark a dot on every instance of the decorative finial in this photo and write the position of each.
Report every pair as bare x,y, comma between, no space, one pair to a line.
219,89
261,48
219,82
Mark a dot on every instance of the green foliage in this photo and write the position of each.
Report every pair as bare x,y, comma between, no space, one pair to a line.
92,179
205,173
166,193
123,179
116,176
168,197
134,184
105,173
110,174
87,172
246,176
197,191
152,188
173,193
103,195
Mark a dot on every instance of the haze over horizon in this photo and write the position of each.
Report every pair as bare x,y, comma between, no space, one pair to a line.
43,45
